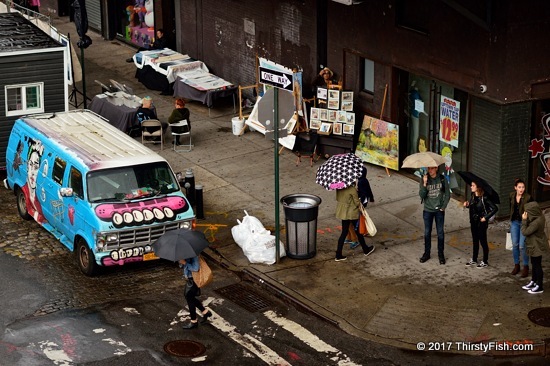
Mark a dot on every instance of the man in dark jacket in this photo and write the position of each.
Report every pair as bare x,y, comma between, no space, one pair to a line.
435,193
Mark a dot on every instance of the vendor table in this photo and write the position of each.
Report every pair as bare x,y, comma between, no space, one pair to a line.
118,108
208,97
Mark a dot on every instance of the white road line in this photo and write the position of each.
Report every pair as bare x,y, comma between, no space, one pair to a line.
253,345
309,338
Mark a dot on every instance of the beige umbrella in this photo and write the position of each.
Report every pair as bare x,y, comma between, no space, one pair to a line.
423,160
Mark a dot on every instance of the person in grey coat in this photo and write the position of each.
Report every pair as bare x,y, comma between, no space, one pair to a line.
532,226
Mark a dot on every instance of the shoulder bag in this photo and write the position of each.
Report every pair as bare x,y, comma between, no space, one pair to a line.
203,276
371,228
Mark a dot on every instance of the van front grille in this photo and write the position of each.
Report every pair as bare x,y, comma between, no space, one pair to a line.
141,236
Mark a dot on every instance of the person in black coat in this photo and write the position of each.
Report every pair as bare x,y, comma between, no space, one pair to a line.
481,209
160,43
363,188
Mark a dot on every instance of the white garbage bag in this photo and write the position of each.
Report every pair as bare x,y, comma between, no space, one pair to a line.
257,243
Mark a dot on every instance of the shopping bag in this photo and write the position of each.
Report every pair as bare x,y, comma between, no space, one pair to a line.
371,228
363,226
203,276
509,244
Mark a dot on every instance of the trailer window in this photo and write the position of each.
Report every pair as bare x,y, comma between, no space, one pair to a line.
24,99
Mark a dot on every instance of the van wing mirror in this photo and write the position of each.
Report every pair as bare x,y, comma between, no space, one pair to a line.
66,192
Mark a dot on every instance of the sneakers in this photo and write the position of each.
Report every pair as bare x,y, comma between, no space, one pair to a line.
424,258
536,290
369,251
471,263
441,260
482,264
352,244
529,286
340,258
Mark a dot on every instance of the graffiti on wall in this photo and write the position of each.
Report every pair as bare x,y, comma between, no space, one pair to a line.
538,147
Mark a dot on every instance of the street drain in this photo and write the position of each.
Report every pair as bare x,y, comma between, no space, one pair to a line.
540,316
244,297
184,348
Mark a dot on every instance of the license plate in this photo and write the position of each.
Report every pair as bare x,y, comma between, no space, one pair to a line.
149,256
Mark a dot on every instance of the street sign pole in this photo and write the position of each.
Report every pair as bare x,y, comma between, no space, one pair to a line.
276,163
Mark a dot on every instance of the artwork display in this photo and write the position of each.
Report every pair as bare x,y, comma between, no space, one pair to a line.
325,129
323,114
341,116
332,116
314,113
348,129
347,106
350,118
334,113
322,93
315,124
334,99
337,128
378,143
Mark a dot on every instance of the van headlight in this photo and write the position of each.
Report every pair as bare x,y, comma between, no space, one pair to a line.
110,238
185,225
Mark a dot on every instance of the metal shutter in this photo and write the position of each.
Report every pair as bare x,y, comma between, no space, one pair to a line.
93,8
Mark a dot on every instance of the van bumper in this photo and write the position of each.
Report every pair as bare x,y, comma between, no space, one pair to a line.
6,183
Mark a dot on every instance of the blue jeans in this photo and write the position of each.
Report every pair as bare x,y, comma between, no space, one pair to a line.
428,224
518,242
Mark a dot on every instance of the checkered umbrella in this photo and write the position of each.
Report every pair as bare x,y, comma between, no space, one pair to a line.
339,172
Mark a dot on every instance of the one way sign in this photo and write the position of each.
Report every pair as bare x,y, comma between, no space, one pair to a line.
276,78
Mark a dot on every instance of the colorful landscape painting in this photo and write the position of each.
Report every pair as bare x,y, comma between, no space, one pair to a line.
379,143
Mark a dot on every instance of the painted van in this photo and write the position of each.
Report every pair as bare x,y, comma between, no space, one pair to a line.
104,195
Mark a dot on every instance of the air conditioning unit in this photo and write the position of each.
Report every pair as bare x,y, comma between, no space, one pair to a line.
348,2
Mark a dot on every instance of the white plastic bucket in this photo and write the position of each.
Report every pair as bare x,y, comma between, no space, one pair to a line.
238,125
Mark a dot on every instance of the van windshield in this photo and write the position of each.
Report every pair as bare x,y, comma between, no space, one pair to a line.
132,182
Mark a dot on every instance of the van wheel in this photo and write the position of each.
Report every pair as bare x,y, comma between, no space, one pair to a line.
85,258
22,205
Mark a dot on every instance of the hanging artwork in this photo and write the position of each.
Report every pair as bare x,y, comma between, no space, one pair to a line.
323,114
378,143
337,128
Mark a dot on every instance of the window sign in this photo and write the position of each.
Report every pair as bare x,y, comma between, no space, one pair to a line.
449,121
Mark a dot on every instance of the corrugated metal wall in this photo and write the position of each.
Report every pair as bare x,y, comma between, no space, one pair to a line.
21,69
93,9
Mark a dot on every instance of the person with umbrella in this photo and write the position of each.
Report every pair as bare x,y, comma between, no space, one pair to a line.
435,193
340,172
481,209
184,246
189,266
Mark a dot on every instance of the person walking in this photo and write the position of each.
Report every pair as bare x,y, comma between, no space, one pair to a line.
481,209
347,210
178,114
435,193
532,226
365,196
192,291
518,199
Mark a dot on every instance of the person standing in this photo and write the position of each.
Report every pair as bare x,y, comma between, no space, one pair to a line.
192,291
481,209
178,114
435,193
347,210
532,226
518,199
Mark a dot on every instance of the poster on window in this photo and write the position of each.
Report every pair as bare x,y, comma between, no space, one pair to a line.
378,143
449,121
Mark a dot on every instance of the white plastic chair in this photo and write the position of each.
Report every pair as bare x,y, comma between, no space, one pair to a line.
146,134
181,129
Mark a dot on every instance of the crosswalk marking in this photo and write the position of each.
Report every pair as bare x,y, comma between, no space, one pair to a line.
309,338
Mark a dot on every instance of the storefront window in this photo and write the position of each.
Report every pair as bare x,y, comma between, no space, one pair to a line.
437,122
368,75
136,22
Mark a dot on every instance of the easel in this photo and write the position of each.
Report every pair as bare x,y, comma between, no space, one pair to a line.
73,97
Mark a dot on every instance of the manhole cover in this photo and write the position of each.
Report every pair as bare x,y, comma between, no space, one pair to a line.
184,348
244,297
540,316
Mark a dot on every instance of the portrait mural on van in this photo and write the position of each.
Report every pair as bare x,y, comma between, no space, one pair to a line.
32,195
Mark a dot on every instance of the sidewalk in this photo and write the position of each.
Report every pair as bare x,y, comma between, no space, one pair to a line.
388,297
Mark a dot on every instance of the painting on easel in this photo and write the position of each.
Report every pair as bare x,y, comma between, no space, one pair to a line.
379,143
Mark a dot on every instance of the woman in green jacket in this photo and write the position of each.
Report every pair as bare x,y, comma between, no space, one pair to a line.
347,210
532,226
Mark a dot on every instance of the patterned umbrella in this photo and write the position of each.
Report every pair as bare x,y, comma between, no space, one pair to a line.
339,172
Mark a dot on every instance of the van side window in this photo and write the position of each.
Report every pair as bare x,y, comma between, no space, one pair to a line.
58,170
75,182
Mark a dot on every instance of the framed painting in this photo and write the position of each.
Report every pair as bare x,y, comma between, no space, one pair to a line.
322,93
347,96
341,116
334,95
337,128
347,106
315,124
332,116
323,114
314,114
333,104
350,118
348,129
325,129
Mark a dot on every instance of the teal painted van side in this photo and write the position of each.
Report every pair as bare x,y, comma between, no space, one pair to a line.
98,191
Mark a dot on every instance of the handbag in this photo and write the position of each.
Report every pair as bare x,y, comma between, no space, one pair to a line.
371,228
203,276
509,244
363,226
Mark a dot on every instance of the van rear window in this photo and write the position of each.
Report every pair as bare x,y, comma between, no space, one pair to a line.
133,182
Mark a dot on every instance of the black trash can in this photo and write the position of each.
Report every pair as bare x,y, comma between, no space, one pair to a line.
301,212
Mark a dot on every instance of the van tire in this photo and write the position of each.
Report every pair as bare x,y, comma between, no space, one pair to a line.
85,259
22,205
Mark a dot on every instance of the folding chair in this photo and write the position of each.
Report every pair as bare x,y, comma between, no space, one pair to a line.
306,146
181,129
145,134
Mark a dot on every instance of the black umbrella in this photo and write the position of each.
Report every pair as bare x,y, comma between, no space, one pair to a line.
180,244
470,177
